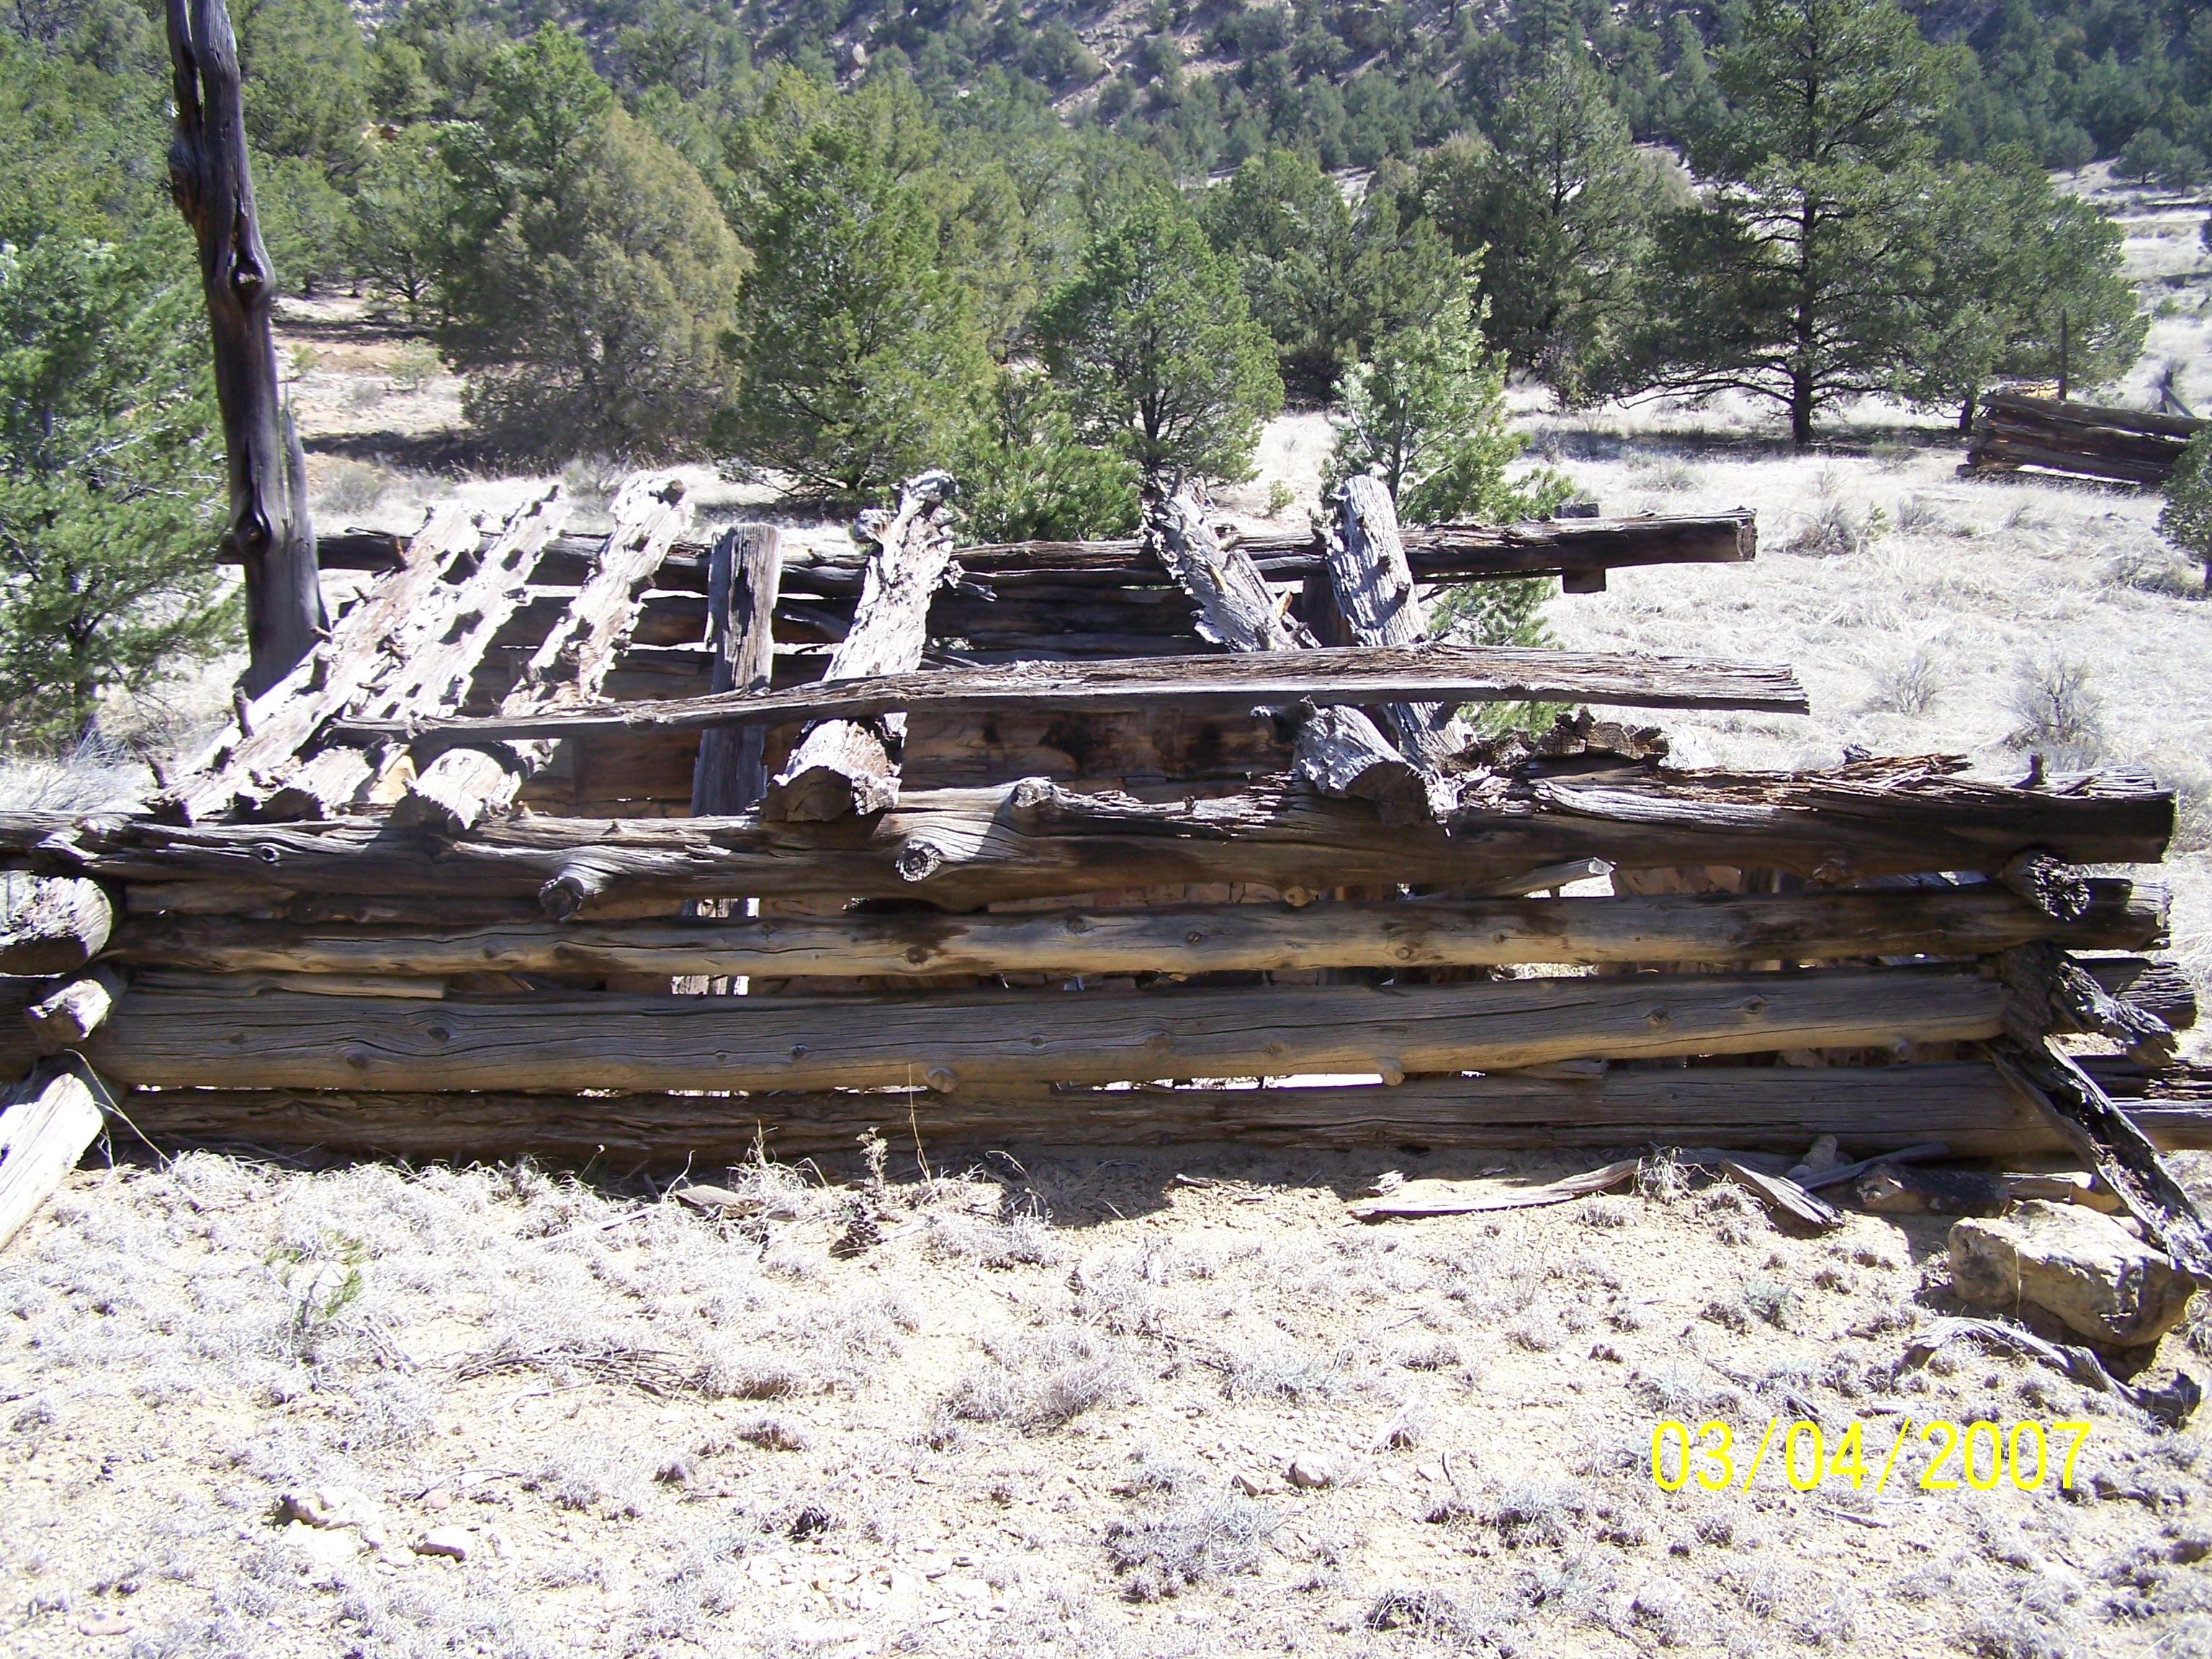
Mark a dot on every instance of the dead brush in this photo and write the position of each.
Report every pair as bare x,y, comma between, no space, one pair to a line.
1426,1614
2054,699
1837,527
1037,1382
1199,1541
570,1360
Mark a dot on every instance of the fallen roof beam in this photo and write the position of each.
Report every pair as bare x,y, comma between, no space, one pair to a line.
1352,676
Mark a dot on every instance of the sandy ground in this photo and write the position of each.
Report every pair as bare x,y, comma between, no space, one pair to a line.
1057,1407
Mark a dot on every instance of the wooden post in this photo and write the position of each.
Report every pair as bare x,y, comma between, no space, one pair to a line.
743,575
269,532
42,1135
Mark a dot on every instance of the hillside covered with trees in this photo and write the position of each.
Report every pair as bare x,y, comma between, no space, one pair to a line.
1063,252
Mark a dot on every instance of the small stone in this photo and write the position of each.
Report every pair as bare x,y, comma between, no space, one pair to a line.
501,1545
2188,1551
452,1542
105,1624
971,1589
1310,1473
374,1535
2079,1265
438,1502
1248,1483
328,1547
326,1506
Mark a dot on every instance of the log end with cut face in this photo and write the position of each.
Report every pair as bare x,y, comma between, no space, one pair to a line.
841,769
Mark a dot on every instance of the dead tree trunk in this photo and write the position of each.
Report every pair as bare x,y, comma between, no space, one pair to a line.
269,532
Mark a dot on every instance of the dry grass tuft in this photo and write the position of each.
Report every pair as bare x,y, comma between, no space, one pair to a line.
1199,1541
2054,699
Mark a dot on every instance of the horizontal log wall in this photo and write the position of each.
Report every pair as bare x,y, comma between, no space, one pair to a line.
217,1038
1181,939
1870,1108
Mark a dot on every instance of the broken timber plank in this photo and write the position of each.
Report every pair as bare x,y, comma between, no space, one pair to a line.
1182,939
279,1040
1033,839
51,926
42,1134
1376,596
253,753
1339,751
1341,677
428,661
843,767
65,1015
729,775
460,787
1777,1109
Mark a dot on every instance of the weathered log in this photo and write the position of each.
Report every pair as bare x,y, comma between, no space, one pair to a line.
65,1015
747,567
2056,888
1373,587
2160,989
167,1038
844,766
1172,939
253,756
1872,1108
51,926
960,848
43,1133
1451,674
268,532
2077,1108
455,791
2051,993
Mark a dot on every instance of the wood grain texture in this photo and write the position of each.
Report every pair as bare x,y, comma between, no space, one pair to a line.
960,848
729,774
162,1038
1373,588
42,1134
455,791
1345,676
1870,1108
1174,938
842,766
51,926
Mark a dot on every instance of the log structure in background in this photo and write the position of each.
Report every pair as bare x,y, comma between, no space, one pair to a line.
457,789
729,776
843,767
2126,446
268,532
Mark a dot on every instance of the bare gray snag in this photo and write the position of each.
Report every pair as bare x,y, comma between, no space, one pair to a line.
844,767
1376,595
268,532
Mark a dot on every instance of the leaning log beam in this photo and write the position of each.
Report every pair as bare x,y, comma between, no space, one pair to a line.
1394,674
961,848
1870,1108
168,1038
43,1133
1181,939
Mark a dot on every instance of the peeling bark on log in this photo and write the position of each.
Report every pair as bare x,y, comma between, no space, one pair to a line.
960,848
1178,939
747,566
843,767
167,1038
455,791
1376,596
52,927
268,531
1871,1108
43,1133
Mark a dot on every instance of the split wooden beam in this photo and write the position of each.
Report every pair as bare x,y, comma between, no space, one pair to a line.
44,1130
960,848
1338,750
1871,1108
1343,677
167,1037
72,1010
51,926
459,788
746,567
255,755
1374,590
1970,921
844,767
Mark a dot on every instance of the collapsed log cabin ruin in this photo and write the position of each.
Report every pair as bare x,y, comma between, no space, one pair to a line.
2014,431
619,844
